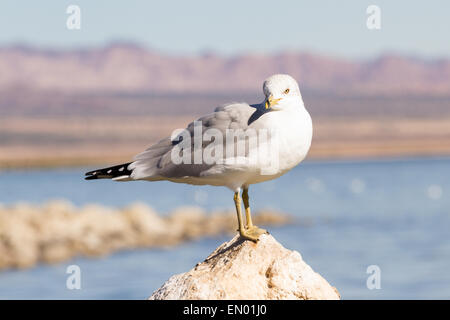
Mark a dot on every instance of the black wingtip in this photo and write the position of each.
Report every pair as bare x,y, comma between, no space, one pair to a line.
91,175
109,173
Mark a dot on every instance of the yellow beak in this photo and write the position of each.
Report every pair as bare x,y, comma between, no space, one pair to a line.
270,102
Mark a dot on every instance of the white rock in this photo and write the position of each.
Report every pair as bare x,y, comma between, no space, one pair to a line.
246,270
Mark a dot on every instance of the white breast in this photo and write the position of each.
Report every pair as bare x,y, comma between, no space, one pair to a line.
291,145
294,138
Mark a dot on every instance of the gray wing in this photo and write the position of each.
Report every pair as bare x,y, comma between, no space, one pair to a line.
156,163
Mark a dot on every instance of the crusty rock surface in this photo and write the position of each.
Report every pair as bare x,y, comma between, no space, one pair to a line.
241,269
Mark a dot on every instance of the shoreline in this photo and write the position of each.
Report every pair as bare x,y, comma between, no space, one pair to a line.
57,230
330,155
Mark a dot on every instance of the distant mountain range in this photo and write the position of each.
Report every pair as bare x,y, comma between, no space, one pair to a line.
130,69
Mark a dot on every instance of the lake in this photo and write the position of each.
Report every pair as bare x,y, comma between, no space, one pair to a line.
394,215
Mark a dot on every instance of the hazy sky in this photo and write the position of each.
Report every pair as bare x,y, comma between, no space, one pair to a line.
232,27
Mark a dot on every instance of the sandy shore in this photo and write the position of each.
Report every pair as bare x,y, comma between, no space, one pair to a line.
58,231
50,142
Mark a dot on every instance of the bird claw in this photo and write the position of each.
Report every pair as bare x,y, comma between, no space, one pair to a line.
252,233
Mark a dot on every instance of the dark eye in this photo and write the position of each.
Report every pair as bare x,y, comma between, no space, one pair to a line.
286,91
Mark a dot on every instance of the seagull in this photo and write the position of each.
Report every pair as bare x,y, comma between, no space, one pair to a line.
192,156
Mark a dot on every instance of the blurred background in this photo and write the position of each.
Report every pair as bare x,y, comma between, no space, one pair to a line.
374,189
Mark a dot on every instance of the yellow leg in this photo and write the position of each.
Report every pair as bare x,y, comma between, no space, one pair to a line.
251,232
237,202
248,215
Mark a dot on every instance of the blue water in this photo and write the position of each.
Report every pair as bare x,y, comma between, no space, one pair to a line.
392,214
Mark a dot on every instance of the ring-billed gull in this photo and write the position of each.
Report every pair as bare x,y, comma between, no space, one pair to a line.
235,146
